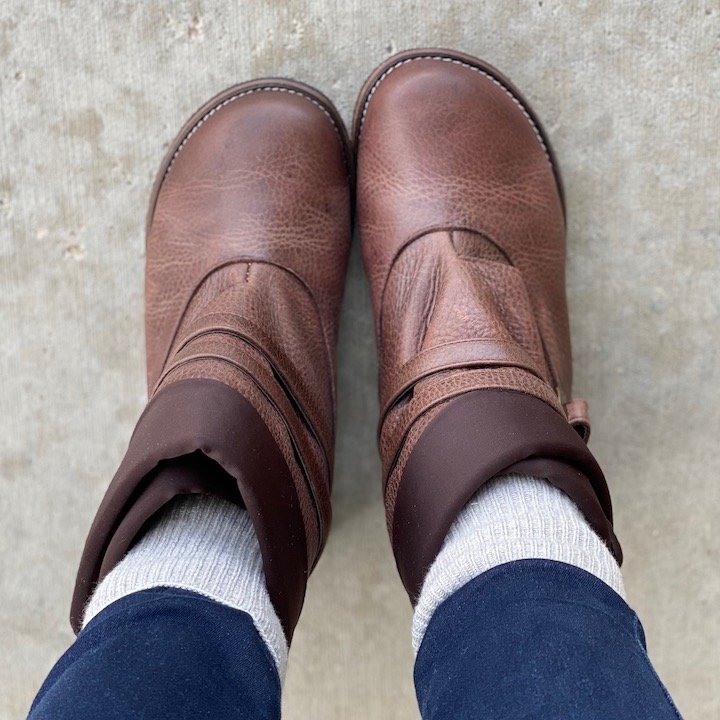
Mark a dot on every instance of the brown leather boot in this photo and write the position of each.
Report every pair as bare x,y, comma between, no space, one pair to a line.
248,236
461,216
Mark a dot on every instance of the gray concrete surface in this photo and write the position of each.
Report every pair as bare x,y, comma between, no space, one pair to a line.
90,95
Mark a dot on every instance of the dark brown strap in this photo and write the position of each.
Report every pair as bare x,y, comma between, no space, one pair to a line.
210,417
479,435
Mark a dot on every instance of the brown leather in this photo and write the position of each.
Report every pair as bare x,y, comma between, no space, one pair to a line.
461,216
248,236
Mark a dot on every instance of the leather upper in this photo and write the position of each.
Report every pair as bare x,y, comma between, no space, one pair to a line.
462,227
248,237
263,179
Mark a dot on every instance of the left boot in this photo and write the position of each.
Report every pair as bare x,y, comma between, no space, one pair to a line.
462,224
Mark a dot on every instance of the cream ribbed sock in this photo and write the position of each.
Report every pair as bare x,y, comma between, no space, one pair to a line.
206,545
514,517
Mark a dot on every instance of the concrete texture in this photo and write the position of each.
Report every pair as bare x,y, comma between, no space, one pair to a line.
89,98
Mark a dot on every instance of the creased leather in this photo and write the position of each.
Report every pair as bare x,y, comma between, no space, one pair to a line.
247,247
462,228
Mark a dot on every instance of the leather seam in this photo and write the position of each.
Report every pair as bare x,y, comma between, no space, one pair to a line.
419,236
240,261
246,339
506,259
452,230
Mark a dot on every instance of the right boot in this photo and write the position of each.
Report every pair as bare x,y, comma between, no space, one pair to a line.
248,235
462,227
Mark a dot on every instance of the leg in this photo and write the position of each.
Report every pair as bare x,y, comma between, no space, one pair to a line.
499,516
537,639
183,626
163,653
498,630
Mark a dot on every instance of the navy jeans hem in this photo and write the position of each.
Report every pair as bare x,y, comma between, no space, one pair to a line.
163,653
537,639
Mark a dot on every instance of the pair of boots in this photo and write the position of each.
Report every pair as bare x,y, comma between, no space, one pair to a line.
459,204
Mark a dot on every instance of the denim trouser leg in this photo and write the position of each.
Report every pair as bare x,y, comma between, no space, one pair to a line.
530,639
537,639
163,653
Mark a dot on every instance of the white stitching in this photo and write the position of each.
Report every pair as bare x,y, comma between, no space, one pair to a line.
454,61
232,98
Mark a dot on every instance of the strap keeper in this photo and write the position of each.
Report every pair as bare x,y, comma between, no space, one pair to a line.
578,416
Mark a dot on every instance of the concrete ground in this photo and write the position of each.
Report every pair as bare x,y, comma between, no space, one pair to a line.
89,98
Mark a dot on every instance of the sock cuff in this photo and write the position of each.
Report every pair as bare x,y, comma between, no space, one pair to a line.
514,517
206,545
